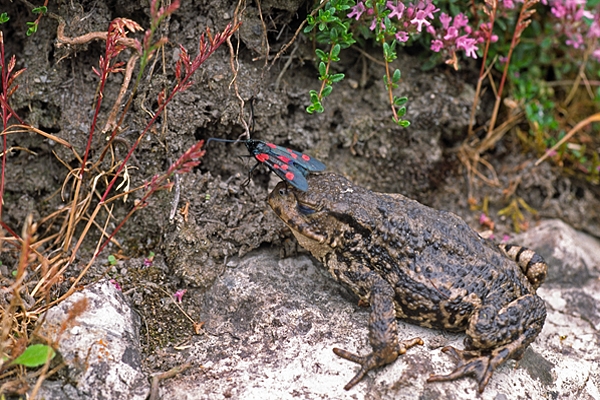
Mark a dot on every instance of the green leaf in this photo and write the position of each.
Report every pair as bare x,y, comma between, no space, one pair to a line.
112,260
397,75
400,101
326,91
4,18
336,77
335,51
40,10
322,69
32,28
321,54
333,35
404,123
315,108
35,355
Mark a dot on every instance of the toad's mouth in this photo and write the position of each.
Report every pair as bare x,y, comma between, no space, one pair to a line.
306,208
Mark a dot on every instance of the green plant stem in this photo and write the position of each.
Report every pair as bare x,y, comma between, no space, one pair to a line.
522,23
324,82
390,88
482,71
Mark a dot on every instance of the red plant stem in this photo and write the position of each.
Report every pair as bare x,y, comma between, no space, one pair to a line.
488,41
39,18
4,104
10,231
96,113
202,56
137,142
5,118
519,27
4,147
183,165
141,203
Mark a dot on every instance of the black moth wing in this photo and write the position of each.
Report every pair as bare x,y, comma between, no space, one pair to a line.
288,172
303,161
290,165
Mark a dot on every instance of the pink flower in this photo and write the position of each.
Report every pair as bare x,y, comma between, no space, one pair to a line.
419,20
576,41
429,10
558,11
374,24
594,31
401,36
445,19
460,21
505,238
483,219
508,4
114,282
178,295
452,33
357,10
468,45
484,32
397,10
436,45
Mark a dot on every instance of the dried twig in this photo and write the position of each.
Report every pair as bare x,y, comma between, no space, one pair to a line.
156,378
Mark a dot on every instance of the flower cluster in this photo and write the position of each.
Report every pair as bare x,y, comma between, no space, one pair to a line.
581,27
410,19
456,34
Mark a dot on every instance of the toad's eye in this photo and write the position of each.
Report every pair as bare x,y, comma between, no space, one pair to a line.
305,209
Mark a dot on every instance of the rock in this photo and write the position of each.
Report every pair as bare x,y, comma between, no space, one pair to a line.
101,349
271,325
573,256
187,254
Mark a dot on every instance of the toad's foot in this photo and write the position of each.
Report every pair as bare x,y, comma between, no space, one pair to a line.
469,363
376,358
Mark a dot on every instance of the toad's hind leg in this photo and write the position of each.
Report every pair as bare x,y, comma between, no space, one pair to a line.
383,334
495,336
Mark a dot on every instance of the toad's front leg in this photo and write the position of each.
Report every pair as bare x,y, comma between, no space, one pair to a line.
383,331
495,336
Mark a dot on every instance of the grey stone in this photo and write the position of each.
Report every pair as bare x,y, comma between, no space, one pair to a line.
573,256
101,350
271,325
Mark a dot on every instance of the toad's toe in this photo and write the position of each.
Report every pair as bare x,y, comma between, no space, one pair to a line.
469,363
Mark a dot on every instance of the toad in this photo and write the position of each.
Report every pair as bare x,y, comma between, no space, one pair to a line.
428,267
